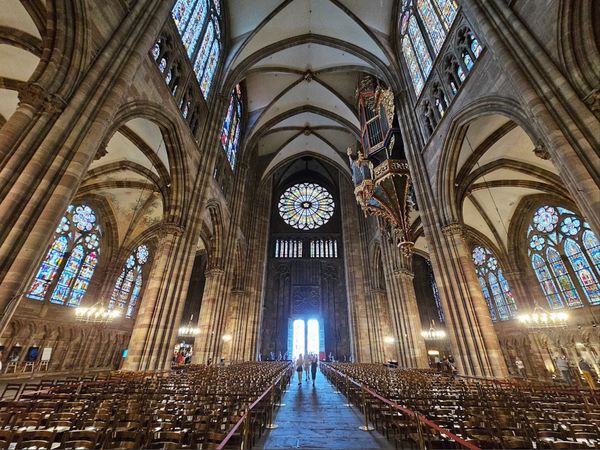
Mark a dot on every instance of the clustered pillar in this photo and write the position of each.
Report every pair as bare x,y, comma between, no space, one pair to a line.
468,319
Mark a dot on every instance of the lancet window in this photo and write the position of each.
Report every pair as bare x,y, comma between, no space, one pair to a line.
69,265
129,285
323,248
565,255
494,286
424,27
230,133
288,248
198,23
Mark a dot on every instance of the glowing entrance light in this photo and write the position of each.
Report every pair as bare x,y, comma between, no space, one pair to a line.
306,337
298,342
312,338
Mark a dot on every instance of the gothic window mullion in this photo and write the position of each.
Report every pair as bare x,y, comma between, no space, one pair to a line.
59,271
425,34
493,303
74,279
204,28
136,270
574,277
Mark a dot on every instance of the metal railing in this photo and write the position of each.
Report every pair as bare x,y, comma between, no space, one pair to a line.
408,428
258,416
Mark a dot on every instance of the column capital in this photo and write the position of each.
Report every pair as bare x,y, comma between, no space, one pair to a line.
214,271
170,228
405,273
453,229
36,96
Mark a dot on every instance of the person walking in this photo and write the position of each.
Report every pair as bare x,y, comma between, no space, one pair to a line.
313,367
299,363
307,360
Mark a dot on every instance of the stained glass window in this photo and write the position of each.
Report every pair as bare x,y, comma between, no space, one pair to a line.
436,292
156,51
494,286
467,60
421,16
230,133
129,284
306,206
475,47
198,23
565,256
420,47
67,269
447,10
413,66
436,32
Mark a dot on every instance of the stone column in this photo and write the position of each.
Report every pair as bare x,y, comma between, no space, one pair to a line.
363,346
157,322
209,339
238,311
257,231
567,125
472,334
404,311
58,135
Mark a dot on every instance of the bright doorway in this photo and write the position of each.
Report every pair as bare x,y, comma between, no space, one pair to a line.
306,336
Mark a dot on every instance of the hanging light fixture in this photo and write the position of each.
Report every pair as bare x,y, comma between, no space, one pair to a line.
96,313
540,318
189,330
433,334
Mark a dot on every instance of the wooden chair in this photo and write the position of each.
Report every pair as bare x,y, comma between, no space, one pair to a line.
37,439
85,439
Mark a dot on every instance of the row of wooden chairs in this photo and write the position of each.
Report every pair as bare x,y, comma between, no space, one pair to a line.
195,407
492,414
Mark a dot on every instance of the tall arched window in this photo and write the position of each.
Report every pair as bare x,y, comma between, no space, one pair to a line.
230,134
424,27
129,284
436,292
565,256
67,269
198,23
494,286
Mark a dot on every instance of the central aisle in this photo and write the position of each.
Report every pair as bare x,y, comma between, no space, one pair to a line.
315,417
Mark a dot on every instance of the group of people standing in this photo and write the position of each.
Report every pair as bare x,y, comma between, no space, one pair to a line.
305,364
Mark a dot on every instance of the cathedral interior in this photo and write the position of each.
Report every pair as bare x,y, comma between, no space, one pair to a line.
192,191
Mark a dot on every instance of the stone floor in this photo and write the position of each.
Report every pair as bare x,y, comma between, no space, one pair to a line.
315,417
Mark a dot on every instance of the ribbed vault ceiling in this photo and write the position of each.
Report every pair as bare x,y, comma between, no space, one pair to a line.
301,61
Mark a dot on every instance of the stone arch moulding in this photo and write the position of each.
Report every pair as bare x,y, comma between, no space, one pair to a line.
517,229
580,62
179,165
216,248
342,170
66,34
108,222
447,165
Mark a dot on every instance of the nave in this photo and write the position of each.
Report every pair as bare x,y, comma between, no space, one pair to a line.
319,417
192,188
260,405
